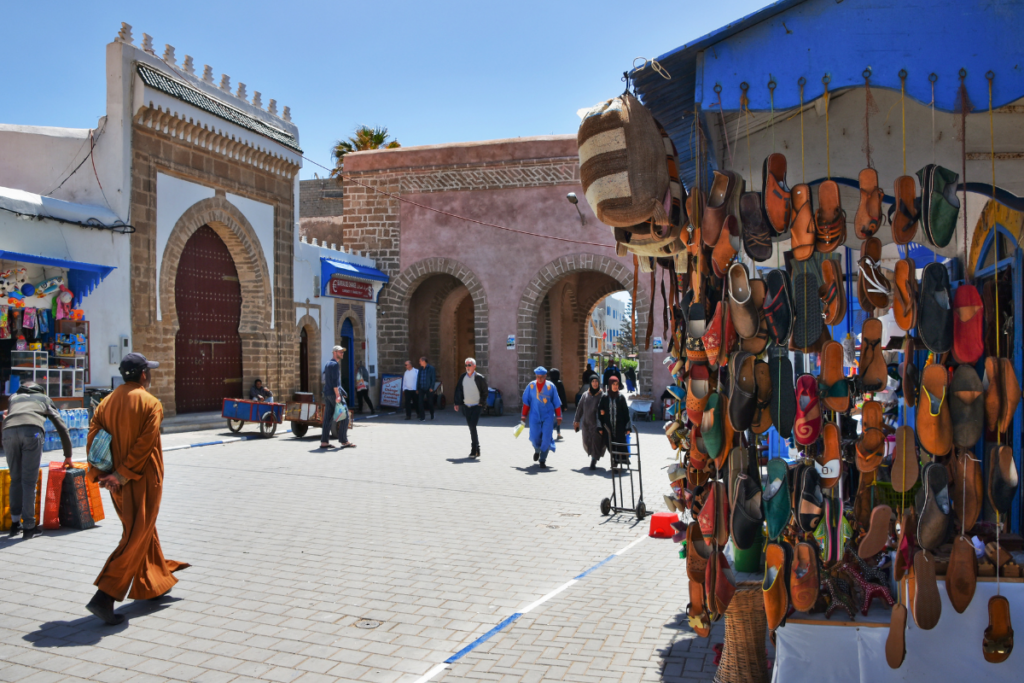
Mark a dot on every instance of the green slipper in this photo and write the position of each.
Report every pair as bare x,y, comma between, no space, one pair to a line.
711,426
777,502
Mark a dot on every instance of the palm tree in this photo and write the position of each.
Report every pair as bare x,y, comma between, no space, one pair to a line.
364,139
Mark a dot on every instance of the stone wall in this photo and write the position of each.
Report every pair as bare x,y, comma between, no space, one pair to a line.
268,353
321,205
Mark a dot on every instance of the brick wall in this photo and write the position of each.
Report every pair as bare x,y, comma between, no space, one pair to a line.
321,205
272,354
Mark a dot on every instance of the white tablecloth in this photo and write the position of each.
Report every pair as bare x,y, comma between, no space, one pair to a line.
820,653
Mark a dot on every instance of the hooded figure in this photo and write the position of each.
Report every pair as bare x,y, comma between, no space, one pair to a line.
586,420
542,405
555,377
613,414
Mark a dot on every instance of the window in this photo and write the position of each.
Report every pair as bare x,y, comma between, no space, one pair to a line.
608,310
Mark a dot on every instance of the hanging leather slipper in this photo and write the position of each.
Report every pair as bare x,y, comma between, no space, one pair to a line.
896,641
696,612
830,222
722,586
803,580
998,642
871,444
932,506
803,231
783,405
934,426
697,554
965,471
775,194
968,325
810,503
878,532
711,427
807,425
832,292
741,304
696,318
835,389
807,327
935,314
778,559
904,302
962,574
1003,479
909,376
777,505
872,370
992,383
726,249
737,465
754,228
712,339
759,342
742,391
723,201
698,391
903,214
873,288
747,513
778,306
940,205
868,218
763,414
927,604
1009,394
831,456
905,464
905,544
966,408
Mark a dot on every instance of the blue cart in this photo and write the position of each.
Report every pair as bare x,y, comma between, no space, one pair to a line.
238,411
495,404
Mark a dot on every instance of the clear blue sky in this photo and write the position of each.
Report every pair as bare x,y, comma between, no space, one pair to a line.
432,72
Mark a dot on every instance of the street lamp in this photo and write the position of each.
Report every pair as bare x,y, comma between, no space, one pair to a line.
576,202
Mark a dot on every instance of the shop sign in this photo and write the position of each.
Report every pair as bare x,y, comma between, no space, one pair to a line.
510,343
391,391
349,289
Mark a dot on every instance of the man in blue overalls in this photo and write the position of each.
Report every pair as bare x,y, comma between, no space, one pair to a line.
542,405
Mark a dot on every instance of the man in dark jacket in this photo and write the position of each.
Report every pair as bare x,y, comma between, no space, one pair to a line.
26,414
425,388
611,371
258,392
334,394
470,396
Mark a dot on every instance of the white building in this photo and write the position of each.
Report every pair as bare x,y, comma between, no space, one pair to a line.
605,324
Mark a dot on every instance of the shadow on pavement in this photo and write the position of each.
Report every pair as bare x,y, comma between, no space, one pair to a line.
460,461
599,472
89,630
536,469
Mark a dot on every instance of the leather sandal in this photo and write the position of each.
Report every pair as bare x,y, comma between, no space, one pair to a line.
904,304
968,491
871,445
903,214
831,456
962,574
934,426
723,201
696,612
803,231
905,463
726,248
998,642
868,218
873,288
757,344
830,223
775,194
835,389
878,532
1009,394
833,291
872,370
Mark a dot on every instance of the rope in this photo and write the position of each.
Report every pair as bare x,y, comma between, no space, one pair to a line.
991,132
931,79
903,115
869,108
803,174
725,128
771,100
745,106
828,161
965,106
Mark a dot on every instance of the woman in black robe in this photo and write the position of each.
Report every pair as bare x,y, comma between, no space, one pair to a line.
613,414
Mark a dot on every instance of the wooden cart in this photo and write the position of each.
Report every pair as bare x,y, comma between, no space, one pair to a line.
238,411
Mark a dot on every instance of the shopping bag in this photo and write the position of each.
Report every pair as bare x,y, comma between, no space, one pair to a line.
341,412
99,452
54,484
95,497
518,430
74,501
5,498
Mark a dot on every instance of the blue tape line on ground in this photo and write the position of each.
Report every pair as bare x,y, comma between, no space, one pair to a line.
604,561
482,639
206,443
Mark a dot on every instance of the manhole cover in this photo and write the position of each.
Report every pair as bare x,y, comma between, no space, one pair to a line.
367,623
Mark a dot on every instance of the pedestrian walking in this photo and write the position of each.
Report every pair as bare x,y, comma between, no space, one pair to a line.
555,377
631,379
611,371
27,412
425,380
363,388
335,399
613,413
470,394
258,392
543,407
131,416
586,420
409,391
588,372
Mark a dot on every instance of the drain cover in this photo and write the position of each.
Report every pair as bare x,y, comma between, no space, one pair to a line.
367,623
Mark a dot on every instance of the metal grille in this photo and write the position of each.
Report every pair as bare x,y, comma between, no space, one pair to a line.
207,348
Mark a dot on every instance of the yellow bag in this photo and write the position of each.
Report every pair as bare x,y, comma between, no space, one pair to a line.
519,429
5,498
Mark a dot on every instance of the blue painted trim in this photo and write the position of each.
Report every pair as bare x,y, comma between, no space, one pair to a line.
599,564
482,639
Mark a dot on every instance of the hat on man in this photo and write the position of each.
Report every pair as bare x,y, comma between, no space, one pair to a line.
540,370
134,363
338,348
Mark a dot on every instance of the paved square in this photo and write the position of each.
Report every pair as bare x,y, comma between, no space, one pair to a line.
292,547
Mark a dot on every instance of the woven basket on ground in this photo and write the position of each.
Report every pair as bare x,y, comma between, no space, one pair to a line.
743,655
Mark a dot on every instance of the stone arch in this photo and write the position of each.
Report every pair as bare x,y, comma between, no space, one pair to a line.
548,277
394,300
254,279
309,323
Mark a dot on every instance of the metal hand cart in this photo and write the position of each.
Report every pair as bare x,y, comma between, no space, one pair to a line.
266,414
625,456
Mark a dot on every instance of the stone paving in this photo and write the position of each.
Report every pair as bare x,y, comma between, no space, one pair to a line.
292,548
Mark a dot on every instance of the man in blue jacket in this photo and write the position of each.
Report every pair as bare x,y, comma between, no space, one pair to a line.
334,394
543,407
425,388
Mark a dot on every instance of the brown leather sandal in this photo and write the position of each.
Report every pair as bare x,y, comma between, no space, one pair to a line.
903,215
830,223
803,233
868,218
904,304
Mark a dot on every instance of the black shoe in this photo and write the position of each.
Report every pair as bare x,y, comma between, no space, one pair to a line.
102,605
31,533
15,529
536,456
593,464
408,418
431,416
543,465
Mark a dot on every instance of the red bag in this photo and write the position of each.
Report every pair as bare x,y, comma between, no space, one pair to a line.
54,484
95,499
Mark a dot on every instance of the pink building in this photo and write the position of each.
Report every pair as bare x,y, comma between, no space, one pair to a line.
458,288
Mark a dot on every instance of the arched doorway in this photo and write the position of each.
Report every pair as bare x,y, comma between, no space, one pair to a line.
207,346
348,372
303,360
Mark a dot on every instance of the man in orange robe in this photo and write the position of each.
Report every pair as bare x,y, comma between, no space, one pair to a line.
132,417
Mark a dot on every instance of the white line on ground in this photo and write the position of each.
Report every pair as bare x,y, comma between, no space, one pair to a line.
430,674
550,595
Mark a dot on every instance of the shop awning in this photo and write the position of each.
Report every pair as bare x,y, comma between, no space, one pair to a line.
33,206
82,277
330,267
